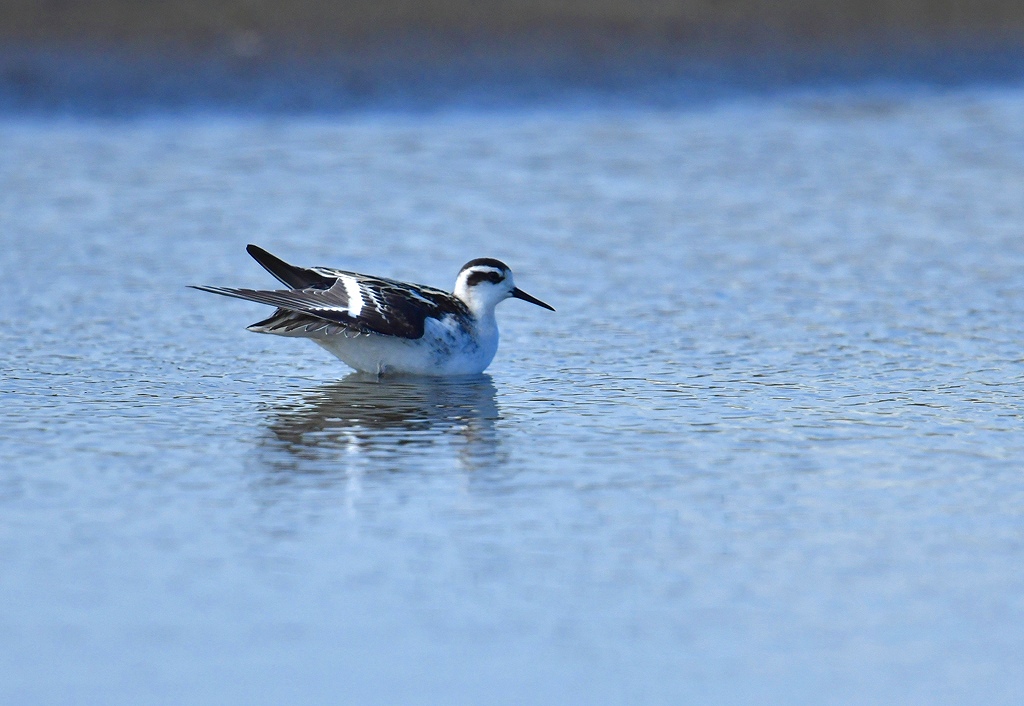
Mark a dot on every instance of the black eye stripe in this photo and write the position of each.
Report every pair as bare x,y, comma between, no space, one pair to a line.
476,278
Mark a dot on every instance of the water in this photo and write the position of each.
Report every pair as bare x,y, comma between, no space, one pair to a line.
768,450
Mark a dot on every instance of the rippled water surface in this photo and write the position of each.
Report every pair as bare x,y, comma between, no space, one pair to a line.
768,450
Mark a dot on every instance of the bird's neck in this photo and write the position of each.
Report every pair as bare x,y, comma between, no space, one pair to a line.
483,316
479,307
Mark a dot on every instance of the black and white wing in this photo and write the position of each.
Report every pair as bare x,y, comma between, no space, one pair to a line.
333,300
293,276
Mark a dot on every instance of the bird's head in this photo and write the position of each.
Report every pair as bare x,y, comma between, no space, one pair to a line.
484,283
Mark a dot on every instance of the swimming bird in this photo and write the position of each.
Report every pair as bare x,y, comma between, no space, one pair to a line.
383,326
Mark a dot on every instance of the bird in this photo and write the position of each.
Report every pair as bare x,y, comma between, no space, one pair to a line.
383,326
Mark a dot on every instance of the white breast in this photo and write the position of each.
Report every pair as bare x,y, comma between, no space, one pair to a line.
446,348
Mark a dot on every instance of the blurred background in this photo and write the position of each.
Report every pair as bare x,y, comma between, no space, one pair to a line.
130,55
317,24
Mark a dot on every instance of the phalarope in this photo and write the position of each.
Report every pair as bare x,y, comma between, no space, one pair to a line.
383,326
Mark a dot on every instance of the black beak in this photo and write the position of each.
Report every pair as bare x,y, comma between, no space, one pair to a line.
520,294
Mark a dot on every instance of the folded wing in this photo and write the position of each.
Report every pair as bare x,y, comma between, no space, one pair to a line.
353,302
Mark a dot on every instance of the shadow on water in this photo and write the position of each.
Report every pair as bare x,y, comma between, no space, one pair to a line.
362,425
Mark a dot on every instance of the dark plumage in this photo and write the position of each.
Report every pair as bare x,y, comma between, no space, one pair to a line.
321,299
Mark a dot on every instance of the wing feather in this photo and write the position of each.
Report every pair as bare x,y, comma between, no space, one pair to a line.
332,301
387,307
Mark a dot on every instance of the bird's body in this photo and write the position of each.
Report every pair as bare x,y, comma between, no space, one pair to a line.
382,326
449,346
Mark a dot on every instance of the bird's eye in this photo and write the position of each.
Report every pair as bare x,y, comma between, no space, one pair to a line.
476,278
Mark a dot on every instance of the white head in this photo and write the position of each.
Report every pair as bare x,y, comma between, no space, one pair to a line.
484,283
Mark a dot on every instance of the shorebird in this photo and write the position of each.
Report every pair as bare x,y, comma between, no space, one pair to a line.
383,326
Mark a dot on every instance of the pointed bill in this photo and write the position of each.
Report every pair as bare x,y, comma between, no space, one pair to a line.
520,294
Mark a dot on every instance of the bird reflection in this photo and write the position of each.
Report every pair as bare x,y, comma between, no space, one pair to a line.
363,423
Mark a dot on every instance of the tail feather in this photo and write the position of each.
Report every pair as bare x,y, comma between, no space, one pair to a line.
247,295
292,300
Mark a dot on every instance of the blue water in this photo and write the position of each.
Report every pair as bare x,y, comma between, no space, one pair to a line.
768,450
